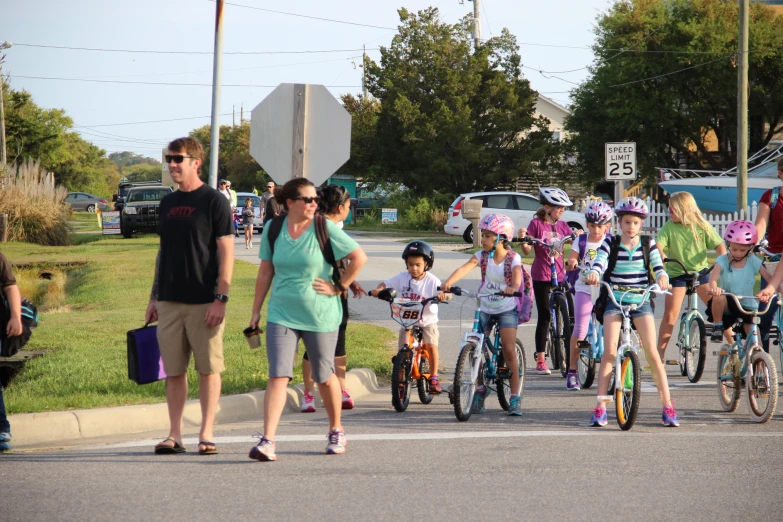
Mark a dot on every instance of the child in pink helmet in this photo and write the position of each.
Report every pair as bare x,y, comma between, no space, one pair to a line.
737,270
496,231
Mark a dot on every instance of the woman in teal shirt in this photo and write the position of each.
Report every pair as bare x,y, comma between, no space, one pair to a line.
304,304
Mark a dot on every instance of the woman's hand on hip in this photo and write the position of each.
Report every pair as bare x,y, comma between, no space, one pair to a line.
325,288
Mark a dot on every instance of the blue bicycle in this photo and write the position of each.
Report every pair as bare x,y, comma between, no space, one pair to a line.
559,335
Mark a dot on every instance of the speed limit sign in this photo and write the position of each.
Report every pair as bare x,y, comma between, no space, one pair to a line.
621,161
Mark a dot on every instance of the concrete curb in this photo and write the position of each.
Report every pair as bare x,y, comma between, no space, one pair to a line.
53,427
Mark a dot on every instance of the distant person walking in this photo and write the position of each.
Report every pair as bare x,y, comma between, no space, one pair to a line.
12,328
190,304
304,304
248,216
266,196
254,190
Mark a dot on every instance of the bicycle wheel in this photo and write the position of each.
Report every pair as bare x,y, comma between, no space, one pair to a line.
628,392
762,387
464,387
696,351
562,336
585,367
423,384
401,380
504,379
728,390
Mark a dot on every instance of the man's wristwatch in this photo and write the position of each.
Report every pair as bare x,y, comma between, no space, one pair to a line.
223,298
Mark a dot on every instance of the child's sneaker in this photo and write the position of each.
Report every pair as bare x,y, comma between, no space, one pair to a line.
435,387
669,417
599,417
264,451
515,406
308,403
572,381
541,368
717,333
347,401
337,442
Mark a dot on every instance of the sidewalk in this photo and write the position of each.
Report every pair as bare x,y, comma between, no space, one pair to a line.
53,428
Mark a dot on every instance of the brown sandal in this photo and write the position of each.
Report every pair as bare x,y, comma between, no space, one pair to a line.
209,448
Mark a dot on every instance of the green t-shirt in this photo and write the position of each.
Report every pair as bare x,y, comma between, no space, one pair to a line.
679,243
293,302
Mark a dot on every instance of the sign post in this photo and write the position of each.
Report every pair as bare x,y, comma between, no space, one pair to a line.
300,131
620,166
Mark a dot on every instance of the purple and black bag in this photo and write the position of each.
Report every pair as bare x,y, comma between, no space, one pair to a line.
144,362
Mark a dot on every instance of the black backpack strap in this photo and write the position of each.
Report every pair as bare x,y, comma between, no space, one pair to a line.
613,252
275,226
646,256
322,233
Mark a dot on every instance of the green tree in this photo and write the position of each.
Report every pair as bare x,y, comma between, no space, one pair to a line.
128,159
452,118
674,113
234,160
365,158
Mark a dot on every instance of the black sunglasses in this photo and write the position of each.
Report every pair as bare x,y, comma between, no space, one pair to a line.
177,158
308,200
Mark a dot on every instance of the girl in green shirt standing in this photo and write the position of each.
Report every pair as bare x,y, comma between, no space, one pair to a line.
686,237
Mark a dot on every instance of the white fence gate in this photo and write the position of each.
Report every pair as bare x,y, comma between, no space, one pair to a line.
659,215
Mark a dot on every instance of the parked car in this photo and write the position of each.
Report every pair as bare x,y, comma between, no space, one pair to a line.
84,201
518,206
141,209
124,187
258,224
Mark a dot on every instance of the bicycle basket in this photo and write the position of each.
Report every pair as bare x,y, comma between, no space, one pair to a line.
406,312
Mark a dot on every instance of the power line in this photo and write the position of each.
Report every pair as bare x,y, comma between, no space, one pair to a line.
670,73
167,83
307,16
151,51
150,121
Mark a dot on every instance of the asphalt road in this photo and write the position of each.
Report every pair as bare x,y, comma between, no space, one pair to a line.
423,463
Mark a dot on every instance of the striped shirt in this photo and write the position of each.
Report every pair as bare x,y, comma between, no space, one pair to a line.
629,269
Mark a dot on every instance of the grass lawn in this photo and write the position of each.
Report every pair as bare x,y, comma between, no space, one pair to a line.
102,295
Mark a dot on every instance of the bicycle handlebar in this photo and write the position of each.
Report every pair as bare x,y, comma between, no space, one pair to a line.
654,288
557,243
469,293
672,260
756,313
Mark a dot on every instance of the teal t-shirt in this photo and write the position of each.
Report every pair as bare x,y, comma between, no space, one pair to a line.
293,301
740,281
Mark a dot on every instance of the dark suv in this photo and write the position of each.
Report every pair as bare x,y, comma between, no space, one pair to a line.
141,209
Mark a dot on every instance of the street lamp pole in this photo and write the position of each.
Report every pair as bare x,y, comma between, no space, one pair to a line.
3,157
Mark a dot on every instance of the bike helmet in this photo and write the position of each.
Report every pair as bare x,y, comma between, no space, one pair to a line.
498,224
598,213
741,232
632,205
554,196
420,248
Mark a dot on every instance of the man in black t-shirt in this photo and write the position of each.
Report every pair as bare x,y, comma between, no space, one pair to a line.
190,290
12,327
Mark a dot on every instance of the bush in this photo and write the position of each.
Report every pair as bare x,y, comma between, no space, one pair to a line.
36,208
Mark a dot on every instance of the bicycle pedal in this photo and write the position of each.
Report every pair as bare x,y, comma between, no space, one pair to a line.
606,398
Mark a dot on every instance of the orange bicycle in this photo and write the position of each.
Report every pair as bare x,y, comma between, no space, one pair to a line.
412,362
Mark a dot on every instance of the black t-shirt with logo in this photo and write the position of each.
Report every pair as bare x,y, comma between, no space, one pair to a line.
190,223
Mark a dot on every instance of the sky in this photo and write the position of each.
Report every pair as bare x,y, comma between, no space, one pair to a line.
555,35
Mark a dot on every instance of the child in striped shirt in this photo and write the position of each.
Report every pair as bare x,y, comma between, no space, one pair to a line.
631,270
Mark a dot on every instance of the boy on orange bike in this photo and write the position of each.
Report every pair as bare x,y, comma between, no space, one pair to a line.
417,284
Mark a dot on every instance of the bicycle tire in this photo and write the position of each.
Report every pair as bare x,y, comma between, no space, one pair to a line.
585,369
401,381
423,383
464,387
762,381
627,398
696,351
681,352
504,384
728,390
562,339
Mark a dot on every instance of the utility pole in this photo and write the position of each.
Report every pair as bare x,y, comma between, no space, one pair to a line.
3,157
233,115
364,72
742,107
476,23
214,144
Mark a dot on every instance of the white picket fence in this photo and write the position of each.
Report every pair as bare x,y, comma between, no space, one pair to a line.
659,215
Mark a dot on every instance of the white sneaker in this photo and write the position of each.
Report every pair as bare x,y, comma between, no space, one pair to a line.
308,403
337,442
251,244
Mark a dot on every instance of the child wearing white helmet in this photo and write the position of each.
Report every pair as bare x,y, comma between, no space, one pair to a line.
546,225
496,255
